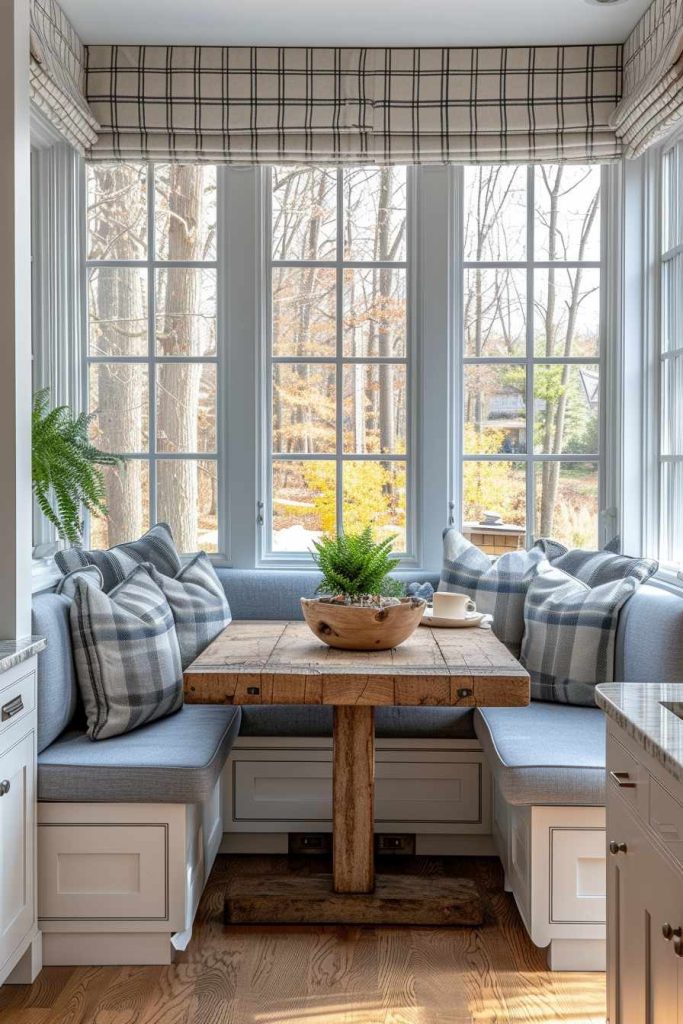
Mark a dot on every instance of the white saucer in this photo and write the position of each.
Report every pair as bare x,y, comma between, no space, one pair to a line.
471,619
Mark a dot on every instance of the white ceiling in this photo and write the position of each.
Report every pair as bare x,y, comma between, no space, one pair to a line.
353,22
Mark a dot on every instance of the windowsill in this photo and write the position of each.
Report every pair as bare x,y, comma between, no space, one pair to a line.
669,577
44,575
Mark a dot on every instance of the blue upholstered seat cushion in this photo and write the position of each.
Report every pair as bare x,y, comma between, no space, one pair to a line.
173,760
390,723
545,753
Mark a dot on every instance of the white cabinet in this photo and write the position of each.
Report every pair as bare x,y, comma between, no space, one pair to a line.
19,936
644,890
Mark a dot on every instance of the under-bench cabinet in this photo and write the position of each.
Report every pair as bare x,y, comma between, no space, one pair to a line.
644,886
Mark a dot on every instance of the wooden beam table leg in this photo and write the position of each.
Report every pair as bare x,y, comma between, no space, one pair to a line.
354,799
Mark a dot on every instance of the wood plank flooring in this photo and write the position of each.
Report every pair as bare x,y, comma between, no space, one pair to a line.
326,975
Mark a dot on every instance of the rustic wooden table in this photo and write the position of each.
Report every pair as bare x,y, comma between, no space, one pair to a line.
270,662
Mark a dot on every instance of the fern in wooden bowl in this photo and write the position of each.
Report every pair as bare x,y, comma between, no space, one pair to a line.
361,607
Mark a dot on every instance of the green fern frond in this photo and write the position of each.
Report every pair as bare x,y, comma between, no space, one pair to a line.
66,473
355,566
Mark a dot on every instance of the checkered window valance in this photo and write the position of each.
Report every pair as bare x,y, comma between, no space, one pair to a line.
652,101
264,105
58,74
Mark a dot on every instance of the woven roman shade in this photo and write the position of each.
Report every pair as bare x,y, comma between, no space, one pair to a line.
263,105
652,101
57,74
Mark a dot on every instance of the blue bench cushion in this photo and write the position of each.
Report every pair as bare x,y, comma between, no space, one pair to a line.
545,753
172,760
57,688
390,723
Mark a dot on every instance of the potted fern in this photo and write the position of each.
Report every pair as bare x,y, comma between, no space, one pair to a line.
361,608
66,473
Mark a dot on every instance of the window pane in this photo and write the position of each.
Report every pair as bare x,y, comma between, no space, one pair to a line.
187,499
304,408
498,488
672,405
672,511
304,304
186,407
375,313
304,205
375,213
567,214
117,311
495,213
495,409
127,497
185,211
375,495
117,211
304,503
566,407
672,304
672,211
119,397
567,503
567,303
495,312
375,408
185,312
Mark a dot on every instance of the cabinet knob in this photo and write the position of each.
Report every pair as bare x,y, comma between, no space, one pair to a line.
669,932
4,787
678,944
617,847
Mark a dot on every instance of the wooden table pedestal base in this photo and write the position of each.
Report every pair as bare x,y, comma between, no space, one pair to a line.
397,899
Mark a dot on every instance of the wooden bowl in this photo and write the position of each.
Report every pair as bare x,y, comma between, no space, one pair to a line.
363,629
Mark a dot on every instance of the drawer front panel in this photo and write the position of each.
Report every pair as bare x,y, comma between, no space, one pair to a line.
666,819
101,871
405,791
627,777
17,700
17,844
578,878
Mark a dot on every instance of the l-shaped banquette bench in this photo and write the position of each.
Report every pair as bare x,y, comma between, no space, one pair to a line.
129,827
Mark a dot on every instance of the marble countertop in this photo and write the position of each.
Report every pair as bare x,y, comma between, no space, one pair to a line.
647,712
13,652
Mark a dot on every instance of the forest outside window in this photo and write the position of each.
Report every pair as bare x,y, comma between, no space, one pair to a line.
152,355
532,259
338,356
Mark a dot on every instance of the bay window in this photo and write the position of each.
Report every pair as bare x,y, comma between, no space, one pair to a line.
287,351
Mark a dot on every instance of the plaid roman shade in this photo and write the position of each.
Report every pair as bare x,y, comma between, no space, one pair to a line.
652,99
351,105
57,74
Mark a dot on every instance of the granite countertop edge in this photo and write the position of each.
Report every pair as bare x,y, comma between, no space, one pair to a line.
638,709
14,652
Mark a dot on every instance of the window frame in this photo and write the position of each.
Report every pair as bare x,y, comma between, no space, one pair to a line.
606,526
266,555
152,360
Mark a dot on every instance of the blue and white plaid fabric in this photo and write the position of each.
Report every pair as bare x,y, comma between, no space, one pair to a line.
497,588
570,635
155,546
198,604
597,567
126,654
68,584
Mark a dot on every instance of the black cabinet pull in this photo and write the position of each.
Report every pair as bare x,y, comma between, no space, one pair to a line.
11,708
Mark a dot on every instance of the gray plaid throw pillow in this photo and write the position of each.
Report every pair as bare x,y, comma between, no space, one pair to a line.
155,546
597,567
570,634
198,603
498,588
126,654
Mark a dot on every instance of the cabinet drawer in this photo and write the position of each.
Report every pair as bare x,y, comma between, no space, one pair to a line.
627,777
96,871
17,700
429,792
666,819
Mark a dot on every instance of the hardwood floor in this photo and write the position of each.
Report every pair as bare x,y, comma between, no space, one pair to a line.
333,975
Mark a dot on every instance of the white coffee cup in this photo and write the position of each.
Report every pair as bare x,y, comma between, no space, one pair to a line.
452,606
